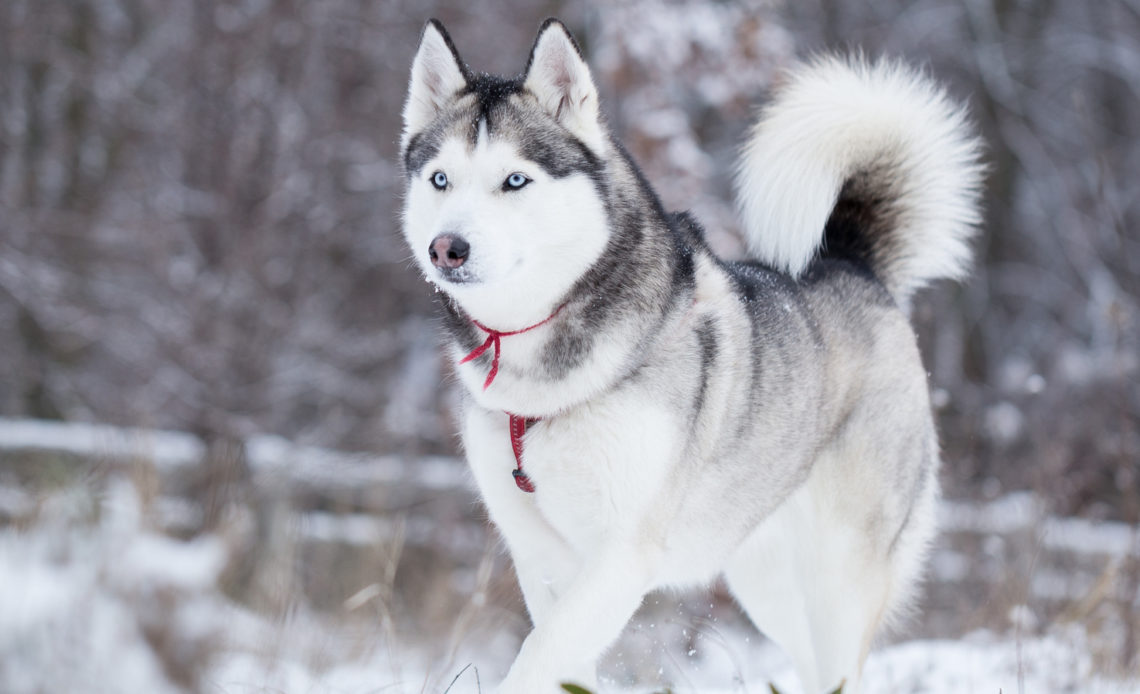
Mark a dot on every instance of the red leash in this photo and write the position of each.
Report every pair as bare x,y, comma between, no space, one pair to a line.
519,424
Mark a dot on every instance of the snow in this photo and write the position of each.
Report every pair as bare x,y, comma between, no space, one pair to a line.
164,448
324,467
95,596
69,619
74,604
1026,512
982,662
268,453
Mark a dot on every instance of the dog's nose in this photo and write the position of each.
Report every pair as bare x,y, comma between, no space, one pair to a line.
448,251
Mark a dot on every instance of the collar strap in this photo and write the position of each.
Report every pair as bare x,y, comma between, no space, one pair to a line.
493,339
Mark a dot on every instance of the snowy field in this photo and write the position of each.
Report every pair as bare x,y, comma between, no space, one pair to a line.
125,567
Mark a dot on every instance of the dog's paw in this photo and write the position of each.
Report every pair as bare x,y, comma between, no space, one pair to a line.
520,683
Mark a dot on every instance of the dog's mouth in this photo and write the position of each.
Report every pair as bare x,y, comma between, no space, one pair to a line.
457,275
468,274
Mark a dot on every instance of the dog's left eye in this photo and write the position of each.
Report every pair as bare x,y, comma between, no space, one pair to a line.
515,181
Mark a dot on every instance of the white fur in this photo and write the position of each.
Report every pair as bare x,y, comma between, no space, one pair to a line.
527,246
835,116
582,547
598,535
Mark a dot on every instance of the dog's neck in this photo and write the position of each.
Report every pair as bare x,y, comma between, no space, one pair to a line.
494,342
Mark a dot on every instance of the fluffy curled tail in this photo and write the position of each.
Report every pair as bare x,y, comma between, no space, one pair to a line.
862,160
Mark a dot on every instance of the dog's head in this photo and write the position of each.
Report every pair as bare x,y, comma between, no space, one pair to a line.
504,202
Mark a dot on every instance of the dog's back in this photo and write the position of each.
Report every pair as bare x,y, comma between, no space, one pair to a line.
862,181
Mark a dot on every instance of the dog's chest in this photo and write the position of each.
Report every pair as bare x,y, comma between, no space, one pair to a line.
596,469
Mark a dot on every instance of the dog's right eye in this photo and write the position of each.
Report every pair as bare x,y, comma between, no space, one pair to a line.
439,180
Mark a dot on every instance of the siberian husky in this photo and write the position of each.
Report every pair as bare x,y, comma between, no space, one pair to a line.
642,414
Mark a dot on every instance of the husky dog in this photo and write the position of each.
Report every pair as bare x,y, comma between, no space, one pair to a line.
642,414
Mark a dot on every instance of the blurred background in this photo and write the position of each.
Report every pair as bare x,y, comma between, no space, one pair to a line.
227,436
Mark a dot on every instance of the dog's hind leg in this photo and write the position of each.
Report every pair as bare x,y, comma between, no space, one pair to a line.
765,577
809,584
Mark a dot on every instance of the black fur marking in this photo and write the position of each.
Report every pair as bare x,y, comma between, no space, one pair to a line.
856,275
707,338
490,92
862,223
554,149
546,24
689,230
630,277
459,325
690,240
929,459
845,234
422,148
561,156
433,22
608,289
755,281
782,322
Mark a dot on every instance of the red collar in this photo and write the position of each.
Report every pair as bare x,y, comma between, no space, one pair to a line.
493,338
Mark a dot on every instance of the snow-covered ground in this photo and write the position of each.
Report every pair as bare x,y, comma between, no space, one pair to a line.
103,589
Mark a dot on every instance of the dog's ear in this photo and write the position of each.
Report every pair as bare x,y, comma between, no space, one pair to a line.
559,78
437,74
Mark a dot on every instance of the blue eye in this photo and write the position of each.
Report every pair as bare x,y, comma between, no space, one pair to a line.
515,181
439,180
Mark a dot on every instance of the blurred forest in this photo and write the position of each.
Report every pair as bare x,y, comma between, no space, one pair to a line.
199,232
199,209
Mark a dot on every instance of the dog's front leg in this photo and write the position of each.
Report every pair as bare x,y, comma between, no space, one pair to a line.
587,618
544,564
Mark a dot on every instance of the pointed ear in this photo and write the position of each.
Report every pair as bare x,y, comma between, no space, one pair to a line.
560,80
437,74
